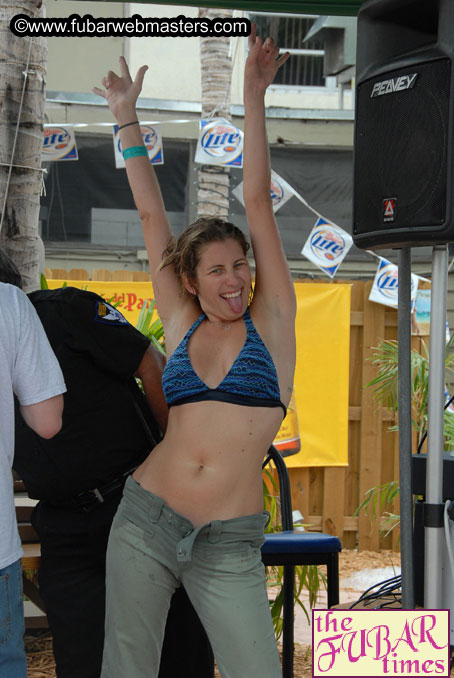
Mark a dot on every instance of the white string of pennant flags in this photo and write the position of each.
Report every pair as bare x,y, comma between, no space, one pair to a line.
221,143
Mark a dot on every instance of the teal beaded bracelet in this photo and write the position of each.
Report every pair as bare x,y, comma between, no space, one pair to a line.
134,151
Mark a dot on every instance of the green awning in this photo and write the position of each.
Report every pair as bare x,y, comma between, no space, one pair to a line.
324,7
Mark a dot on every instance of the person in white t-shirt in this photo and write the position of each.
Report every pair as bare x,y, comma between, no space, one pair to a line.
29,370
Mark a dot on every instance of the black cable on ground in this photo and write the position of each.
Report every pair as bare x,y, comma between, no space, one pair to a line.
390,590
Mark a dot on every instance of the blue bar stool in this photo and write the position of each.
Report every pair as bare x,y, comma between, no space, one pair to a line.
290,548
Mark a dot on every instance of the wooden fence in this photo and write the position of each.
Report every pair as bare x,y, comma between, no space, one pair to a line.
328,496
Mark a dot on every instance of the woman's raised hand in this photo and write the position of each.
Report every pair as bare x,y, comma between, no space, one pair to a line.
122,92
262,63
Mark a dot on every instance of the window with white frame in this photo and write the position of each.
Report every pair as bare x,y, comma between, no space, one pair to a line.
305,68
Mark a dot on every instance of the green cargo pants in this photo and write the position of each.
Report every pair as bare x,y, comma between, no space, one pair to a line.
152,550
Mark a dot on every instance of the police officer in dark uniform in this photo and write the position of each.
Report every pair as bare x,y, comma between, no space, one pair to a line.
78,476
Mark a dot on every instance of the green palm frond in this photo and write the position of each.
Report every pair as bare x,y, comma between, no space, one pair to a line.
385,391
307,577
379,494
150,326
388,523
385,384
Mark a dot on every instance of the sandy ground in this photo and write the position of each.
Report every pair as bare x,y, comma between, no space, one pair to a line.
357,572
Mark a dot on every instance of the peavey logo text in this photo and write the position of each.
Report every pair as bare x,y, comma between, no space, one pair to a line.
394,85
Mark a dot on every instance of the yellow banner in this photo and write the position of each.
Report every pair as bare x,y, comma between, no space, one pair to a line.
128,297
322,374
322,364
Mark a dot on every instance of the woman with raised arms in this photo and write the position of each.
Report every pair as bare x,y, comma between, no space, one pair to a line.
192,513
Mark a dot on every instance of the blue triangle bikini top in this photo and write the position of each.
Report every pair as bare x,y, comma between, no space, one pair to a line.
252,379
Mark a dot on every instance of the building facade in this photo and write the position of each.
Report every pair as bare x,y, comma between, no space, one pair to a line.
88,214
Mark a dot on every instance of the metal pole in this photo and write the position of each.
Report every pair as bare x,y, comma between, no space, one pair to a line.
433,507
405,466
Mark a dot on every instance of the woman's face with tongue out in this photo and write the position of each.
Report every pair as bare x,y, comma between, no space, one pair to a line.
223,280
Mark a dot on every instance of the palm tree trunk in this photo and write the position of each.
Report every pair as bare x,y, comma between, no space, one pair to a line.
216,71
22,101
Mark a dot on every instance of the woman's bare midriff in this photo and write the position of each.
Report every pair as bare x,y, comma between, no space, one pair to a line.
208,467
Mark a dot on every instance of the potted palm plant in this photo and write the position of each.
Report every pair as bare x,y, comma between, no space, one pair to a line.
385,392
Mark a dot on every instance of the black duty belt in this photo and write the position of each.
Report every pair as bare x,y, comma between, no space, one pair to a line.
90,498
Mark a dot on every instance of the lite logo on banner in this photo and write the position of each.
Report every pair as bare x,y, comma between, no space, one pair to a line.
152,140
327,246
219,143
280,191
59,143
386,285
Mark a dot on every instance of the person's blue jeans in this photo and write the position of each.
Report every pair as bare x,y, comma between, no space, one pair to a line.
13,663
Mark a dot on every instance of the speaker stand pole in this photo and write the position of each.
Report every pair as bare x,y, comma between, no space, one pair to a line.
433,506
405,467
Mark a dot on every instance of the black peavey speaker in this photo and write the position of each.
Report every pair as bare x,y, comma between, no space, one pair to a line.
404,146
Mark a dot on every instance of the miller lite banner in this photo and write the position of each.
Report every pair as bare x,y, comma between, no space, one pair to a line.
280,191
327,246
152,139
386,285
219,143
59,143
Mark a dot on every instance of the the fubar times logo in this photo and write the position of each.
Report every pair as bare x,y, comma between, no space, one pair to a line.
381,643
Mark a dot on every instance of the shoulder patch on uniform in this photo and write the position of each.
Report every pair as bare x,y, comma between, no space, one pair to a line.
106,313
